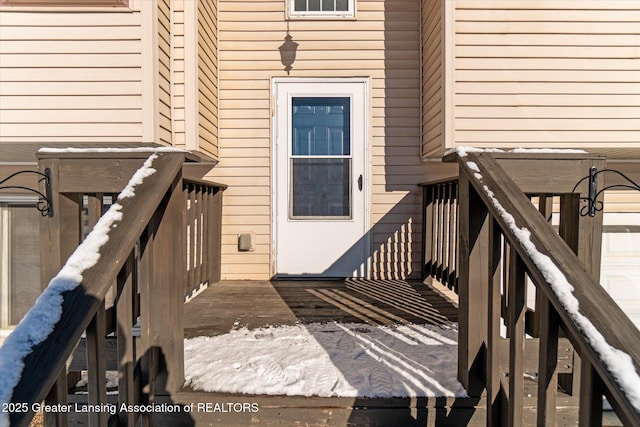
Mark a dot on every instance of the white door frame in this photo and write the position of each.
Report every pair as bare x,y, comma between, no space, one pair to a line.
367,156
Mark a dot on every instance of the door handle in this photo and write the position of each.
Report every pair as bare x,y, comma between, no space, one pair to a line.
360,183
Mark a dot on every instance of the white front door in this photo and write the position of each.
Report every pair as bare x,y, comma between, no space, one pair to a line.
320,181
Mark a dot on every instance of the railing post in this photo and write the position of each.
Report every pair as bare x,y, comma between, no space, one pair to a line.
583,234
162,333
473,287
215,235
59,236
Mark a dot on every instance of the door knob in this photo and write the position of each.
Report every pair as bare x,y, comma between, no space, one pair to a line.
360,183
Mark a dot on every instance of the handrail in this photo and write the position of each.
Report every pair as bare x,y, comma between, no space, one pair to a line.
594,323
46,360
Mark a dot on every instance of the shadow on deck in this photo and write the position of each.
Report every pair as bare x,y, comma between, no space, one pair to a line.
255,304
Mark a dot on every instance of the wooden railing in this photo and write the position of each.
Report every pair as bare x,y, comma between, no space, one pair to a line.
203,203
440,213
135,282
503,240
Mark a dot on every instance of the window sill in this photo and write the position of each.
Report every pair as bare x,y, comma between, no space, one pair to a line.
321,18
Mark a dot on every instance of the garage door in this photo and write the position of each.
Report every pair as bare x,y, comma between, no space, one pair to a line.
621,261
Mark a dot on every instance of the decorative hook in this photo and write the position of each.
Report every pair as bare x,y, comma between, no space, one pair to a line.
44,205
593,204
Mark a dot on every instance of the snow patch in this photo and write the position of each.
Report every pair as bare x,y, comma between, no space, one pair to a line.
473,166
137,178
41,319
462,151
328,359
111,150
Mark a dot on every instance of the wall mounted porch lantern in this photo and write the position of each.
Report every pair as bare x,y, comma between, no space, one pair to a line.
44,204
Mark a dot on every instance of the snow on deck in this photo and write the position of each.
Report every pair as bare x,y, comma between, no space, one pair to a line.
328,359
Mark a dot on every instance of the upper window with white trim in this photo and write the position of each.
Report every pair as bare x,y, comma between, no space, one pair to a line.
321,8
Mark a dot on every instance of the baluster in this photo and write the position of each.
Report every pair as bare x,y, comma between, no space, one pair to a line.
516,327
547,360
441,231
192,218
198,242
206,242
144,349
437,237
185,215
591,391
456,239
427,225
494,371
434,230
545,207
128,390
451,242
446,236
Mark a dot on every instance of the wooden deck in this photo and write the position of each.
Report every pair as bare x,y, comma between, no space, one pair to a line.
254,304
226,305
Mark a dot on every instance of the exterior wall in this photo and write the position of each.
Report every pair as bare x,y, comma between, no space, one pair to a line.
178,47
621,201
70,77
207,82
545,73
432,76
195,76
382,43
164,71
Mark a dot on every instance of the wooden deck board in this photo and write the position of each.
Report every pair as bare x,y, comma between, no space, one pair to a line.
255,304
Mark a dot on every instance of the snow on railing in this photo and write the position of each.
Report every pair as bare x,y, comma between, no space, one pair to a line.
602,334
40,320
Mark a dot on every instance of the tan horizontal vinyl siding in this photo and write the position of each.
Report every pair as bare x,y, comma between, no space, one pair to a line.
70,77
626,201
432,76
178,72
207,64
383,43
164,70
547,73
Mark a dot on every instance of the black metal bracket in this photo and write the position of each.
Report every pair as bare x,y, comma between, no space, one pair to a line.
44,205
593,204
